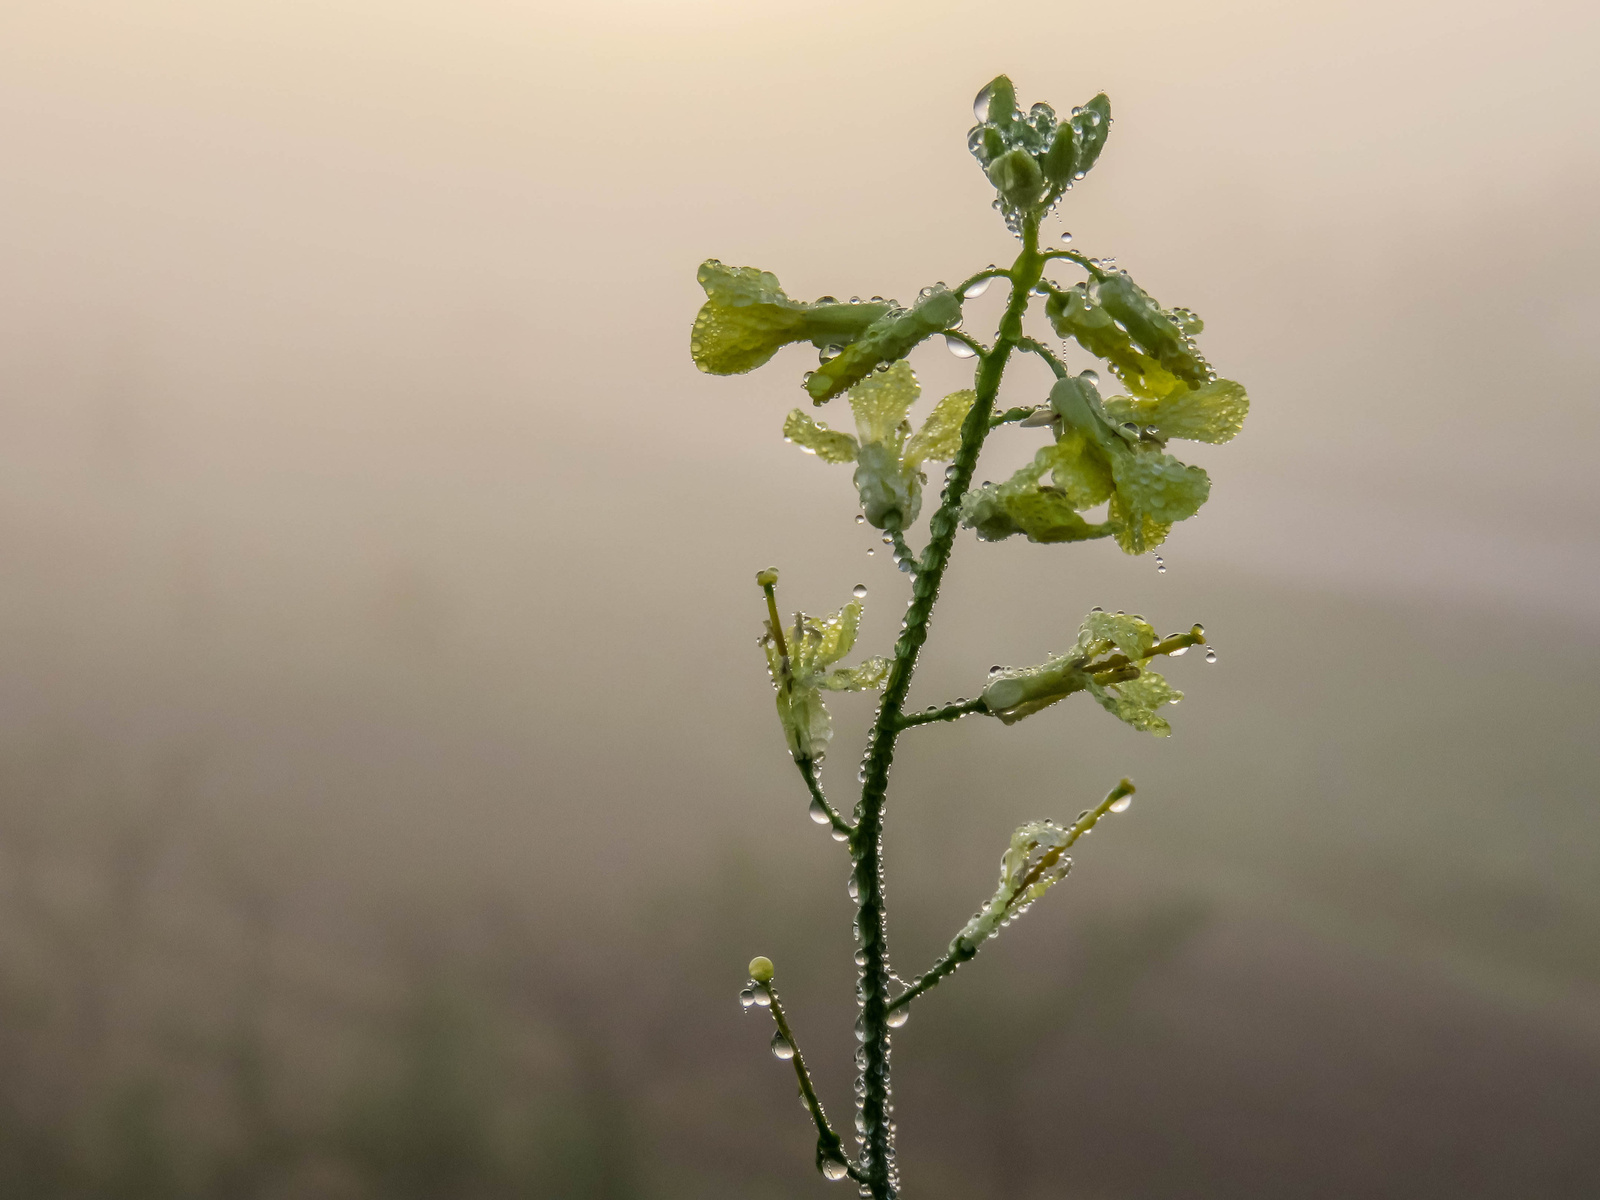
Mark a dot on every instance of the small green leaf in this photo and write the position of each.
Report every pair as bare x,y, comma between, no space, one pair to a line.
1101,631
1017,177
1213,412
1158,484
871,675
1031,866
1074,315
1084,476
827,444
940,435
1136,702
882,400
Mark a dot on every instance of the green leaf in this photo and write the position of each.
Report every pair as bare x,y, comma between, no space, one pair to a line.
1084,476
1101,631
940,435
1136,702
1022,505
881,402
1212,413
889,338
869,676
827,444
1137,532
1155,483
747,318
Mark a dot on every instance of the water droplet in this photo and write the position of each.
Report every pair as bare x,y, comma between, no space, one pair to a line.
859,591
818,813
834,1170
1097,608
958,347
855,299
1211,655
1178,653
872,550
1161,566
840,835
829,353
949,473
827,300
861,518
781,1047
1121,803
854,888
861,958
980,103
1066,238
763,997
888,539
747,998
897,1018
977,289
1090,376
861,775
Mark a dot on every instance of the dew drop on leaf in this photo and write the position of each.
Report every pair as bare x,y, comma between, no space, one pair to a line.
980,103
781,1047
1121,803
1090,376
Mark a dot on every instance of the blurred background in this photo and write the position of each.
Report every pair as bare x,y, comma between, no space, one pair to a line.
390,796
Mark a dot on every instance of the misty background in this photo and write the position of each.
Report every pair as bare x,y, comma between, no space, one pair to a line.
390,796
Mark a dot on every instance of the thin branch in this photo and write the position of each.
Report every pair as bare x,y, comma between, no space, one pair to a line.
989,273
949,712
1083,260
1044,352
1011,414
829,1147
977,347
808,771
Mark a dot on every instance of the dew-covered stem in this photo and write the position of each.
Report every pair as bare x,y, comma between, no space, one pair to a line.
949,712
877,1156
808,772
1044,352
830,1150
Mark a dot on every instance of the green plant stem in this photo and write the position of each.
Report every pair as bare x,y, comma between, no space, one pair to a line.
988,273
1081,259
808,772
1044,352
902,548
828,1143
960,951
950,712
867,843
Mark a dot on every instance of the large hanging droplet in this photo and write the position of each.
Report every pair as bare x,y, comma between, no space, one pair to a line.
834,1170
782,1047
747,997
958,347
859,591
1161,565
1211,655
897,1018
818,813
1121,803
979,288
980,103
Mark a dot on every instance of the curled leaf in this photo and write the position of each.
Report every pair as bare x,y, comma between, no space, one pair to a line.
1033,864
1213,412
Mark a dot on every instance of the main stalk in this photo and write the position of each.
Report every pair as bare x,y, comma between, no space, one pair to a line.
877,1156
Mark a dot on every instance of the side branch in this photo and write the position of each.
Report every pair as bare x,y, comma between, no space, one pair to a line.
830,1150
950,712
808,772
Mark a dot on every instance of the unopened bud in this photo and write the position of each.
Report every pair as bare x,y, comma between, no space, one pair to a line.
761,966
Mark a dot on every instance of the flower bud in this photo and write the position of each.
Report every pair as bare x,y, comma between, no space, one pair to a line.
1017,177
767,578
761,969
